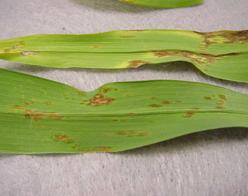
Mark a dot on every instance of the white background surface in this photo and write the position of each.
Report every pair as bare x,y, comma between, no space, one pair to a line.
211,163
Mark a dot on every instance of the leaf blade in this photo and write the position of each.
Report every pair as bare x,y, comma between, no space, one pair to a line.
220,54
42,116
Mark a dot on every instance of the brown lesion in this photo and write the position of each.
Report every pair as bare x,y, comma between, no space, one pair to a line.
97,46
29,114
166,102
100,99
132,133
23,105
62,138
137,63
35,115
208,98
28,103
155,105
219,99
221,102
223,97
224,37
190,113
161,104
194,57
19,107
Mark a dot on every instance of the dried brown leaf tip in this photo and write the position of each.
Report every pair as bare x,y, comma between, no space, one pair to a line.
224,37
100,99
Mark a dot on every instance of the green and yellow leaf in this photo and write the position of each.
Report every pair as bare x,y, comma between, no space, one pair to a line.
221,54
42,116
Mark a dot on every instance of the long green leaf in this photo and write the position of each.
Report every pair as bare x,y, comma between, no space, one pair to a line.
164,3
42,116
221,54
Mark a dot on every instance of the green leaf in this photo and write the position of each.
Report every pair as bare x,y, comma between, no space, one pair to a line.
42,116
221,54
164,3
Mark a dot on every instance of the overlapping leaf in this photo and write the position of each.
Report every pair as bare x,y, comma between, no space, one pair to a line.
42,116
218,54
164,3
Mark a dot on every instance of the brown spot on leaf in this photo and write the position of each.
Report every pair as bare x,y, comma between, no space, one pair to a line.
166,102
223,97
190,113
136,63
165,53
97,46
208,98
18,107
63,138
100,99
155,105
54,116
27,103
132,133
197,58
34,115
221,102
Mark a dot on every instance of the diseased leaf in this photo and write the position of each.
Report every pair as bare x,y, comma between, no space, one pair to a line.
42,116
164,3
221,54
